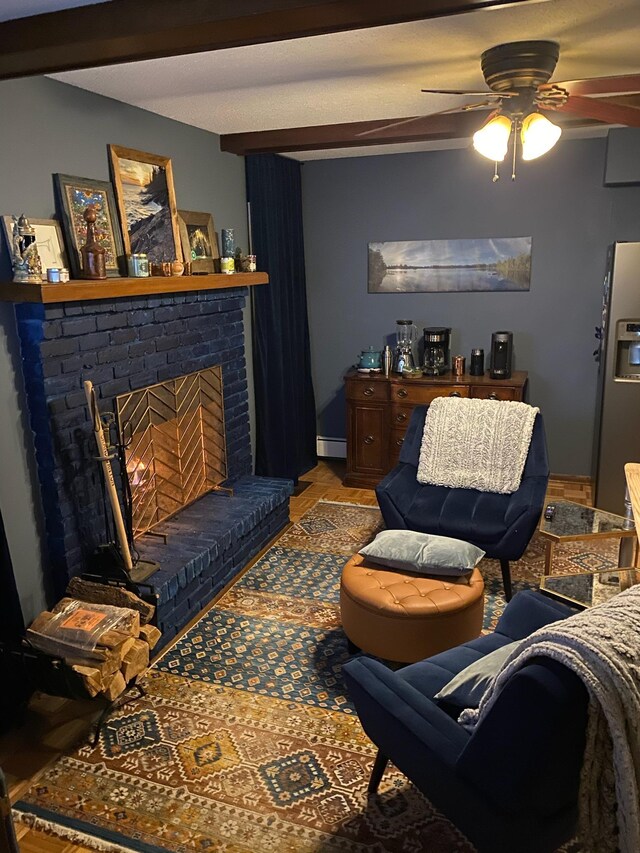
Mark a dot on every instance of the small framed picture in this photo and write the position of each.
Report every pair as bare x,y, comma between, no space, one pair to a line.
147,203
199,241
48,240
73,195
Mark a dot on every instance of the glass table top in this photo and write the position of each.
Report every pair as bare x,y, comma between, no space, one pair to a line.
589,588
575,520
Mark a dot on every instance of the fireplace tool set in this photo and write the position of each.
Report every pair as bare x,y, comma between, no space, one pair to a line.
115,559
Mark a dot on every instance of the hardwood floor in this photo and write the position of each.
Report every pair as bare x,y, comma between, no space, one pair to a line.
54,725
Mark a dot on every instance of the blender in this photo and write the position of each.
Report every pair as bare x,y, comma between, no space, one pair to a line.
403,358
436,350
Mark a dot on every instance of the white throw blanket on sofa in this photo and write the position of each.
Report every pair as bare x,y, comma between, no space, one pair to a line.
602,646
475,444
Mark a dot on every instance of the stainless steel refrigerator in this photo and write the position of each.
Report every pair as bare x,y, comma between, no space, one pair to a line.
617,435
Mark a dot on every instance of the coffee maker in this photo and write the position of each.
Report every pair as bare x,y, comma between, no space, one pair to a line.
436,350
501,354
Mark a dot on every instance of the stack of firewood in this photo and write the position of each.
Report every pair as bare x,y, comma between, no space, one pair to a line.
102,632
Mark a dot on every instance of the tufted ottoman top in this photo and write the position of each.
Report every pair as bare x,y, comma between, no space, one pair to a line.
391,592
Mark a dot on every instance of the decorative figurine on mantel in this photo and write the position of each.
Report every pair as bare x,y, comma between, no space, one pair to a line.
92,253
27,266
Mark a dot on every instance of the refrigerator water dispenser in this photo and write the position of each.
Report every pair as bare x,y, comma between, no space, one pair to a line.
627,364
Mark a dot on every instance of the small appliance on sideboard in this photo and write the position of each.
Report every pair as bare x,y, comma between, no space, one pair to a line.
436,350
476,366
404,358
501,354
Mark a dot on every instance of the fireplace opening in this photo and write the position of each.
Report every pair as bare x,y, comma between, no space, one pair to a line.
173,435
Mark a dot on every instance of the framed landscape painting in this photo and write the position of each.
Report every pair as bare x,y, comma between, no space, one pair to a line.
73,195
199,242
147,203
48,240
437,266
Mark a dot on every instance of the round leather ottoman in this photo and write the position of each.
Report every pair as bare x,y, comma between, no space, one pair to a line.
408,617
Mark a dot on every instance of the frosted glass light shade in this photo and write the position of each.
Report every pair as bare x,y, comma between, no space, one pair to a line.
538,135
492,140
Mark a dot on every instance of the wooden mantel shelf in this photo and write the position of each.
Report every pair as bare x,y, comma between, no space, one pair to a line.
113,288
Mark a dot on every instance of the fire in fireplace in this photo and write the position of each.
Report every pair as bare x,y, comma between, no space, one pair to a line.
174,439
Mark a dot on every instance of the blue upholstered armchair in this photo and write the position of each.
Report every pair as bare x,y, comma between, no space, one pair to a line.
502,525
511,786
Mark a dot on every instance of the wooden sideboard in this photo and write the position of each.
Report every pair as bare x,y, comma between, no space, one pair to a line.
379,408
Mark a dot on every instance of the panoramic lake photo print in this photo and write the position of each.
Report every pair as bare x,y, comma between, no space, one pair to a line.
438,266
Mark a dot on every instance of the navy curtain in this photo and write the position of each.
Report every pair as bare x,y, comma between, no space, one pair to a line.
285,405
15,687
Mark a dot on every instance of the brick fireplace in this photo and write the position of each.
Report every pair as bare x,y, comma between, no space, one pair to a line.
122,344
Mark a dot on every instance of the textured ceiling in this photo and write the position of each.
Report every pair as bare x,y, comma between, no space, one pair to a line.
366,74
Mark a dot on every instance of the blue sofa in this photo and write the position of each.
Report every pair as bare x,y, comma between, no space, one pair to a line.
511,786
502,525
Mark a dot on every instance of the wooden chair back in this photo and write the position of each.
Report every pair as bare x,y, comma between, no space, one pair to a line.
632,473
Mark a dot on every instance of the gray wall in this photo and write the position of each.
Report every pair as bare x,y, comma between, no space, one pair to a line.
559,201
51,127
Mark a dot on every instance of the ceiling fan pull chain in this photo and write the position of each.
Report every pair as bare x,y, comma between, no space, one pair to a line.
515,148
496,176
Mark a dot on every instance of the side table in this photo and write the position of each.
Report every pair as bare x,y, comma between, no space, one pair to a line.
585,589
573,522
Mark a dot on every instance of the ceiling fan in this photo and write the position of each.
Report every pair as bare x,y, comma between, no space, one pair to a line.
518,74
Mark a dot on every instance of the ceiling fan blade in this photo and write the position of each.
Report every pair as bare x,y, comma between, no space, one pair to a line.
601,110
625,84
455,92
466,107
462,109
389,126
428,115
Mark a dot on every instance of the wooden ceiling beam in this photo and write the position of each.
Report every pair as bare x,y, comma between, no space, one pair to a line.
132,30
364,133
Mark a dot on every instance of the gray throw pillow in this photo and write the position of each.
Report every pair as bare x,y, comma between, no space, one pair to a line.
465,690
424,553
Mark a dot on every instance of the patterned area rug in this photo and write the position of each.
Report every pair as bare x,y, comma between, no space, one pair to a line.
246,741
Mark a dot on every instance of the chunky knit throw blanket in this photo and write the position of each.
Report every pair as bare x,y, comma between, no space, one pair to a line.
602,646
475,444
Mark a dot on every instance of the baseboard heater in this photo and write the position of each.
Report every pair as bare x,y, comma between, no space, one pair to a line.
331,448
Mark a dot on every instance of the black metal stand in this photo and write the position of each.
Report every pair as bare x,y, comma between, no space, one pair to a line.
113,706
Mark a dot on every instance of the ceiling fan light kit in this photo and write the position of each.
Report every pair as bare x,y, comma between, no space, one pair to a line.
537,135
516,72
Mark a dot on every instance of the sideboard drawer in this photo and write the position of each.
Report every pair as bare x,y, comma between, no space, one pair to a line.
425,394
400,416
488,392
361,389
